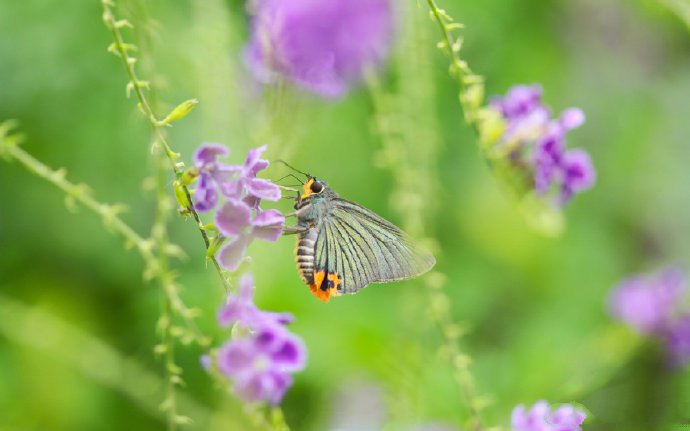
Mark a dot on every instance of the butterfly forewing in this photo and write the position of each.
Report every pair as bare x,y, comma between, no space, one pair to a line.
362,247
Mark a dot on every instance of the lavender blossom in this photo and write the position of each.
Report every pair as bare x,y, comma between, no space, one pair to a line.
534,141
256,188
322,46
233,181
657,304
213,175
241,309
234,219
541,418
648,302
240,217
677,337
261,364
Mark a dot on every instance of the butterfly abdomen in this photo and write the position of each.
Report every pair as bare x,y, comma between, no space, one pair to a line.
304,254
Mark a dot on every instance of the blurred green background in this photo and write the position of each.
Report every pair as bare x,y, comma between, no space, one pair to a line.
77,322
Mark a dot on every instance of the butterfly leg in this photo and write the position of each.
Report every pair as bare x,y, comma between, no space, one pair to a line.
292,230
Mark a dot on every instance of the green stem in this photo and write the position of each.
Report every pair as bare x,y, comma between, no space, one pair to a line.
460,362
68,344
464,74
160,237
137,85
406,159
79,193
145,105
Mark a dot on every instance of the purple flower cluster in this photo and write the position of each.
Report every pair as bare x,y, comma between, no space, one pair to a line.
240,217
322,46
260,364
541,418
657,304
535,140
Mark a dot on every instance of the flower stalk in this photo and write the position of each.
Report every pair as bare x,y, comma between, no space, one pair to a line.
137,86
409,161
471,93
79,193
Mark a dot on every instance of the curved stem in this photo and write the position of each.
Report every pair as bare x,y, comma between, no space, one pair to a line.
121,49
79,193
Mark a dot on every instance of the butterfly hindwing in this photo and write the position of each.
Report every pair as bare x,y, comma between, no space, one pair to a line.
355,247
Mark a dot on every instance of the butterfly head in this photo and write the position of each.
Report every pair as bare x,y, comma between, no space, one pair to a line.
313,190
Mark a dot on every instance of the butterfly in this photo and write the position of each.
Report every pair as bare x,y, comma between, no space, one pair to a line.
342,246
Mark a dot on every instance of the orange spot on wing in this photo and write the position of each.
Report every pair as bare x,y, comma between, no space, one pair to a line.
307,189
331,288
333,276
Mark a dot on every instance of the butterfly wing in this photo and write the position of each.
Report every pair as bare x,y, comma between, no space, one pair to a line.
355,247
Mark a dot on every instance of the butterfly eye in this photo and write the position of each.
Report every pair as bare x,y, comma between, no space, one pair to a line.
316,187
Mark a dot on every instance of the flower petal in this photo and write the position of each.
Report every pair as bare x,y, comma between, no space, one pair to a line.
268,386
269,233
253,163
291,355
647,302
230,313
578,170
550,147
521,100
263,189
205,195
271,217
208,152
245,289
268,225
519,418
311,42
252,201
280,382
236,357
232,189
233,218
278,318
232,253
567,417
678,341
572,118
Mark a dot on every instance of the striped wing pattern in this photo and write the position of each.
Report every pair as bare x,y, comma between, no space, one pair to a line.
356,247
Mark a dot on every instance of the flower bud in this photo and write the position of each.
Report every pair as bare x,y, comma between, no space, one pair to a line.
179,112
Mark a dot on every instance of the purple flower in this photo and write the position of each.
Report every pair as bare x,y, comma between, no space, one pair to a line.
535,142
234,219
240,216
648,302
541,418
261,364
578,173
322,46
256,188
677,337
234,182
520,102
213,175
656,304
241,308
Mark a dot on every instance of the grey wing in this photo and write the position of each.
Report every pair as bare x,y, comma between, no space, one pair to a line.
362,247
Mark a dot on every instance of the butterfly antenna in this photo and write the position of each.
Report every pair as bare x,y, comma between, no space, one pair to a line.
287,188
287,176
296,170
